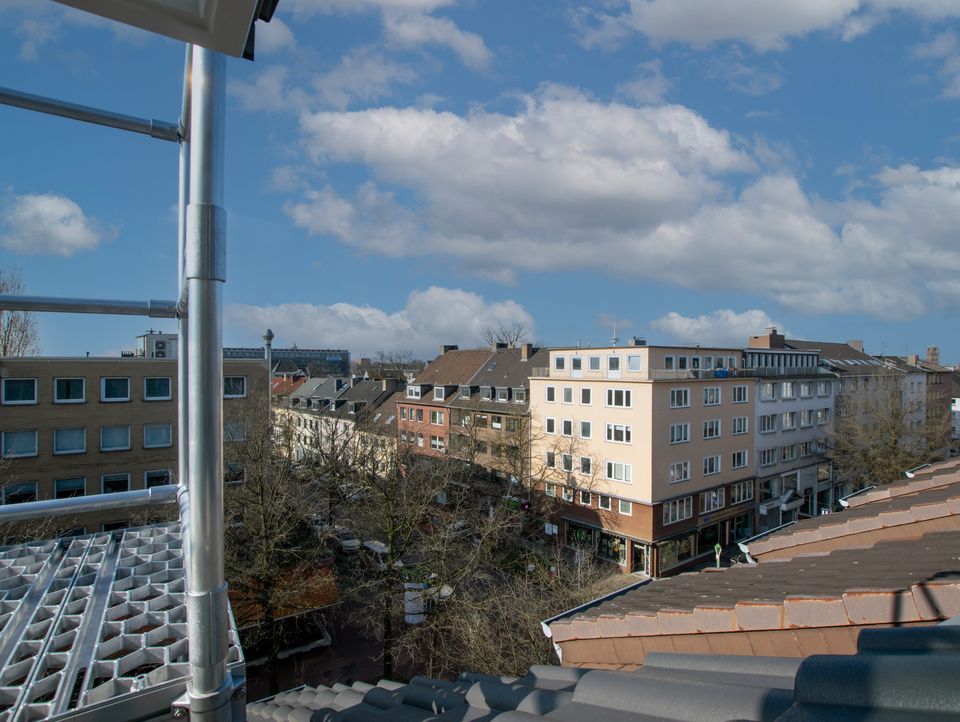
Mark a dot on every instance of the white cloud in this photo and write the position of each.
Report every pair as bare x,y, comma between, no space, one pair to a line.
310,7
361,75
429,318
719,328
415,29
268,92
743,78
649,85
48,224
762,24
274,37
944,49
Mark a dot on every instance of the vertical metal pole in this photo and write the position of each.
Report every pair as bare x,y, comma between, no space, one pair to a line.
268,353
183,429
210,687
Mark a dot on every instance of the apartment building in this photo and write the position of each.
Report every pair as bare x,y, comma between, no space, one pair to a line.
647,451
795,410
423,416
80,426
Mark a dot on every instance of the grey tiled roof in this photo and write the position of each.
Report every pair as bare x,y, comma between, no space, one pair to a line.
898,674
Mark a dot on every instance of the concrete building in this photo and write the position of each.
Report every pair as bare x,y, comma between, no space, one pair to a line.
312,361
647,450
80,426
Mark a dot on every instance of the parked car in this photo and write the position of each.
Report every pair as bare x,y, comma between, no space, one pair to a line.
345,540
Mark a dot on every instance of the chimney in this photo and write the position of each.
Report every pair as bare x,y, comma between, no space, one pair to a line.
933,354
771,339
857,344
448,347
637,341
526,351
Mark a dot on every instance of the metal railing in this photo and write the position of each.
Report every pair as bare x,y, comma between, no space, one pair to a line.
201,272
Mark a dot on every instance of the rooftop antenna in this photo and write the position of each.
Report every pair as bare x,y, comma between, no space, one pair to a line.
614,340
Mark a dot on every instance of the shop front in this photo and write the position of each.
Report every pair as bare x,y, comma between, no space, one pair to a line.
630,554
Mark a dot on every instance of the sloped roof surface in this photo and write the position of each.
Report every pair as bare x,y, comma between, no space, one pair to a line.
898,674
453,368
843,357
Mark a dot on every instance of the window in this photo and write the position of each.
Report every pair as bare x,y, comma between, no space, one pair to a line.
551,460
619,433
806,448
567,462
403,415
787,390
604,502
567,494
69,391
156,436
113,483
677,510
550,425
668,363
711,429
520,395
823,388
788,420
486,393
741,425
420,440
559,363
741,394
464,392
234,473
679,433
19,391
576,363
20,492
806,391
594,363
767,391
739,459
679,471
161,477
496,422
503,393
613,363
235,387
114,438
806,417
617,471
768,457
585,498
711,500
19,443
679,398
436,417
419,415
618,397
157,388
768,423
741,492
681,362
68,488
438,393
413,392
113,389
788,453
550,489
437,443
711,465
586,430
586,465
566,427
551,394
634,363
625,507
711,396
585,397
480,421
568,394
234,430
69,441
822,415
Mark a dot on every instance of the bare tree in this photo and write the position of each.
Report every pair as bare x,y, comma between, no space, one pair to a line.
395,364
511,333
18,329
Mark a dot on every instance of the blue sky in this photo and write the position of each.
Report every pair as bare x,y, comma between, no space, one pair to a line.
401,173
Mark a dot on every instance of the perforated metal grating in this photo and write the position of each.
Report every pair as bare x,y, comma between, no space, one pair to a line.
91,624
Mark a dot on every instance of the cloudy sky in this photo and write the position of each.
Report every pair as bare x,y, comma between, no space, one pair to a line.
403,172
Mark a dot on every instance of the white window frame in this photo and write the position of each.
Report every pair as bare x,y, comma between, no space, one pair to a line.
680,397
17,402
635,363
741,425
806,390
593,363
711,391
712,500
169,395
550,395
768,457
677,510
711,465
613,364
566,395
83,390
436,417
589,465
168,472
588,426
115,448
743,455
788,421
438,393
3,441
567,493
679,472
604,502
585,497
625,471
549,425
80,450
566,427
741,394
791,456
741,492
56,491
550,489
559,363
19,486
168,426
680,433
113,477
788,390
413,391
503,394
712,425
768,391
550,459
625,431
586,396
768,423
625,507
566,463
612,397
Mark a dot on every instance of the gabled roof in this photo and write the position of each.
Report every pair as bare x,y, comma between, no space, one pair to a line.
841,357
897,674
453,368
371,394
322,388
505,367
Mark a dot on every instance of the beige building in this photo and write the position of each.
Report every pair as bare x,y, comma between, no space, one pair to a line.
80,426
647,449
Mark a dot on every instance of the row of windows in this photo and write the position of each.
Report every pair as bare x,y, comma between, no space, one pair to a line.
22,491
680,470
73,390
792,389
495,421
681,509
712,428
682,363
586,498
769,457
487,393
790,420
74,440
634,363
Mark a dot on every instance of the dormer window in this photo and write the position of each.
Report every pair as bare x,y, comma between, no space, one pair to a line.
464,392
520,395
486,392
438,393
503,393
413,392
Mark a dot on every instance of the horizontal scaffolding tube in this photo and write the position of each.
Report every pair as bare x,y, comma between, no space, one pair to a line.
154,128
26,511
153,309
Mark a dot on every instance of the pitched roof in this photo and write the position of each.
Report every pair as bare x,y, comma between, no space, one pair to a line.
453,367
842,357
505,367
896,674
